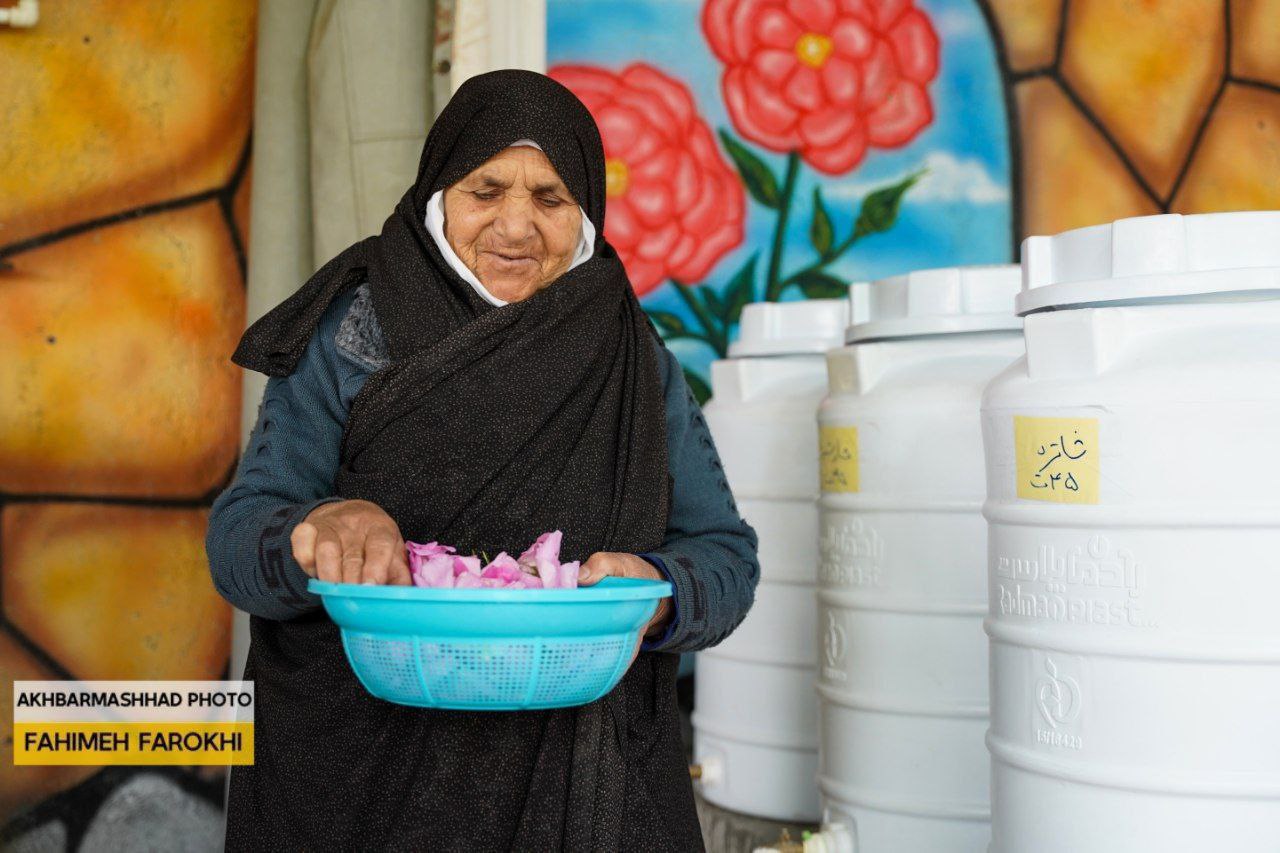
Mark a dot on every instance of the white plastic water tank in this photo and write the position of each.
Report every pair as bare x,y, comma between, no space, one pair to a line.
902,577
754,717
1134,509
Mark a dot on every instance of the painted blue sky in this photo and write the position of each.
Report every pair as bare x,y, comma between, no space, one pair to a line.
960,214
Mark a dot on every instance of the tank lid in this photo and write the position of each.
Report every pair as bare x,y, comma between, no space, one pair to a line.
935,302
790,328
1149,257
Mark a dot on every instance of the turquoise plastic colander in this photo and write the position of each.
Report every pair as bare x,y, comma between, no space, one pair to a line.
490,649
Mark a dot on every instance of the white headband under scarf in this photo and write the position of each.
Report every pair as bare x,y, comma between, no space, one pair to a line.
435,227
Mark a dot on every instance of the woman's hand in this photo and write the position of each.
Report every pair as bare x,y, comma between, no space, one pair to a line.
612,564
351,542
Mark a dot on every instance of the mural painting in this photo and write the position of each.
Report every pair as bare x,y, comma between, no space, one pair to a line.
124,195
875,137
777,151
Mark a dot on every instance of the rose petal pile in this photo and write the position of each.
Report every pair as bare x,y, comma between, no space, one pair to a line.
539,567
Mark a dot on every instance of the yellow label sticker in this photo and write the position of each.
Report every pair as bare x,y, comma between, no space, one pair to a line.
1057,459
838,455
81,743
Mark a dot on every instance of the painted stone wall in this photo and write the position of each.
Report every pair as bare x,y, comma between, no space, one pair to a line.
124,176
1125,109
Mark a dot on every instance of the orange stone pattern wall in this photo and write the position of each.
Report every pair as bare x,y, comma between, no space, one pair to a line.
124,187
1138,107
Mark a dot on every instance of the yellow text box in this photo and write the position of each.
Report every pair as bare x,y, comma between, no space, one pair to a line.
132,743
838,458
1057,459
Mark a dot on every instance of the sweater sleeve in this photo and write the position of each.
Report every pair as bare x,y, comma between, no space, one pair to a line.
709,551
287,470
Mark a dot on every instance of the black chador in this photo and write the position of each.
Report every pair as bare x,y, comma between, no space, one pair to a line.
490,426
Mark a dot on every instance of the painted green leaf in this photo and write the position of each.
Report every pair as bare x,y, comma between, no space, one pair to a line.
668,323
741,289
701,390
879,210
756,176
821,233
815,284
713,302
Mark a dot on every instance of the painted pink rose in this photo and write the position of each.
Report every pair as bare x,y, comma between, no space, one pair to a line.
675,207
826,78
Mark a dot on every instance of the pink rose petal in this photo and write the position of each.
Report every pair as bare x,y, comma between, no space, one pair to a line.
504,573
569,575
468,581
546,557
528,557
466,565
430,549
434,571
503,566
504,559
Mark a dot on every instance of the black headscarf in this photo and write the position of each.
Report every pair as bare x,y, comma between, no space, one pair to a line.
488,113
490,426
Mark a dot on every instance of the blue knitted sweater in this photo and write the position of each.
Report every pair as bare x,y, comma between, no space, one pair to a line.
289,464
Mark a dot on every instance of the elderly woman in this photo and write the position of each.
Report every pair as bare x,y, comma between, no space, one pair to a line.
477,374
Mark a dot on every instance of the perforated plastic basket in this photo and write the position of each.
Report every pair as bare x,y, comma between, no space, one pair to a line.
490,649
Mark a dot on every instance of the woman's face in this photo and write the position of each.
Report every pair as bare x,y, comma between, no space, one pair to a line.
513,223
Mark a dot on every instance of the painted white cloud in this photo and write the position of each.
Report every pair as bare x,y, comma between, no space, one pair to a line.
948,178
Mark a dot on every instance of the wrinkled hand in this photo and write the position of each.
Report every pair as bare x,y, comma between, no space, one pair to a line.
351,542
604,564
